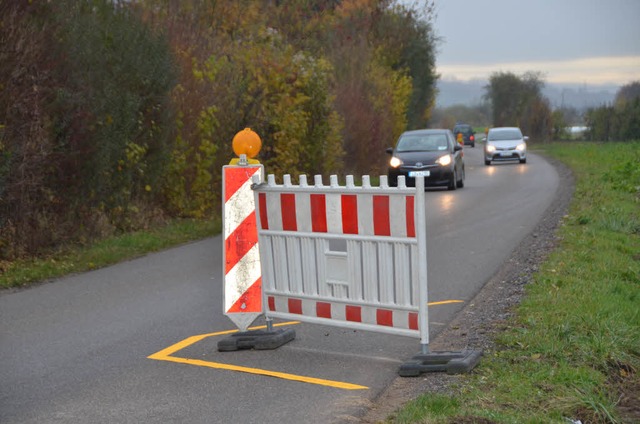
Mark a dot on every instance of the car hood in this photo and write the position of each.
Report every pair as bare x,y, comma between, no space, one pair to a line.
505,144
426,158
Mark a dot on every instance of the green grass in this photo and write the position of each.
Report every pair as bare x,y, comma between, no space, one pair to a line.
104,252
576,335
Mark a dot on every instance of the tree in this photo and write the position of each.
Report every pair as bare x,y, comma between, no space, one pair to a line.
618,122
627,93
518,101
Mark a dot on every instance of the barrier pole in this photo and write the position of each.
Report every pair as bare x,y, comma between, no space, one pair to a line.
421,233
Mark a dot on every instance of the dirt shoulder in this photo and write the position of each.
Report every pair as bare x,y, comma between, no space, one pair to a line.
486,314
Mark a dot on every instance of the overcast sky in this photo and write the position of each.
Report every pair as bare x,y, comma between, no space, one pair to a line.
569,41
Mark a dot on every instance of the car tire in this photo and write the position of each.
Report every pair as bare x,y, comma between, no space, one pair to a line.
453,182
460,182
523,160
487,162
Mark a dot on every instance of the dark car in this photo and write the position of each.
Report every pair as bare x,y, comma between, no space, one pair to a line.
433,150
468,135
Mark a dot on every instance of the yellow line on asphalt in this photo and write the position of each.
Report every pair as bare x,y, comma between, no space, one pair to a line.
166,355
445,302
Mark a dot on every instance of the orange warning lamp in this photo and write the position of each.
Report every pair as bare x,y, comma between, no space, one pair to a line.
247,142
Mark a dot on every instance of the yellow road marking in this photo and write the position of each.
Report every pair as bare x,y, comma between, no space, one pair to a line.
445,302
167,355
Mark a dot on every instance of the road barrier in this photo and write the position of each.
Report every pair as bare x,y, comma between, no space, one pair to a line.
242,275
347,256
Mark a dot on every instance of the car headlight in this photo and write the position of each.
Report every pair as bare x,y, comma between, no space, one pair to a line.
395,162
521,147
491,148
444,160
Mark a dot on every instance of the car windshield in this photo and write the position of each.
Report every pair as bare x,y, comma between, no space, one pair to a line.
462,128
505,135
422,143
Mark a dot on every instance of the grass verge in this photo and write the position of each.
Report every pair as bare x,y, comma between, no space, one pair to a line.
105,252
572,351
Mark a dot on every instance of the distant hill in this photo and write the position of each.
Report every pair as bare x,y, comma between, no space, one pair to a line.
579,96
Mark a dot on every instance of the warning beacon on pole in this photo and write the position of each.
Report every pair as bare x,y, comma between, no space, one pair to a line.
242,279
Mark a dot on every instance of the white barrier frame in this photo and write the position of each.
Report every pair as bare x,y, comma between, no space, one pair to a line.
417,248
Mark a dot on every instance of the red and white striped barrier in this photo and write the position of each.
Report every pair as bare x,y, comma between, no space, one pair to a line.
242,275
346,256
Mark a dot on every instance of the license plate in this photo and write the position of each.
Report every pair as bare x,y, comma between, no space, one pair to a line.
414,174
505,153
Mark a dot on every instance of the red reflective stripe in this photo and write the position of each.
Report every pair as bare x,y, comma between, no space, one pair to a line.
323,310
271,301
349,206
384,317
295,306
318,213
234,178
288,207
353,313
411,225
250,300
413,321
381,223
262,205
240,241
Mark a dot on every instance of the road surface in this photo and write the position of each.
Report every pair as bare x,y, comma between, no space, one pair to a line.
137,342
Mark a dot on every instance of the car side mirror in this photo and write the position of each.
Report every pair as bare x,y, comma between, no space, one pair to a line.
525,138
389,150
484,139
457,147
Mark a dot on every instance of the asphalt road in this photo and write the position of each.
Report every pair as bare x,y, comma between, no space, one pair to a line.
118,345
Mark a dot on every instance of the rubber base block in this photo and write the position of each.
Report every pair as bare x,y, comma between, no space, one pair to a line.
257,339
451,362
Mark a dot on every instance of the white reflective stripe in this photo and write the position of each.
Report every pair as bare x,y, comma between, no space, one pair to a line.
239,206
334,213
398,216
274,213
365,214
241,277
303,212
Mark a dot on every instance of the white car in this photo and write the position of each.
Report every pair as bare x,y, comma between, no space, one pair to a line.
505,143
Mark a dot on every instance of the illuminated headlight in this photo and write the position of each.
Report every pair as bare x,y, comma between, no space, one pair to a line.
395,162
444,160
491,148
521,146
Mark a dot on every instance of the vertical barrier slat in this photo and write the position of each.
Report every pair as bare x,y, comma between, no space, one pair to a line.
322,247
370,271
355,269
294,265
309,265
402,268
281,275
385,265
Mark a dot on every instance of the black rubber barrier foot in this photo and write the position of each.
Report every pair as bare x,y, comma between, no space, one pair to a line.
451,362
257,339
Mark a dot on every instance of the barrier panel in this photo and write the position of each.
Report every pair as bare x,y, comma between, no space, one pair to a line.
348,256
241,284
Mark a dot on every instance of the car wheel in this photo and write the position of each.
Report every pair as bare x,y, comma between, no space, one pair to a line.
453,182
473,144
523,160
487,162
460,182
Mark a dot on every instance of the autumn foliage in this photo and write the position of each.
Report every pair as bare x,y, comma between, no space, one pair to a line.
118,114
